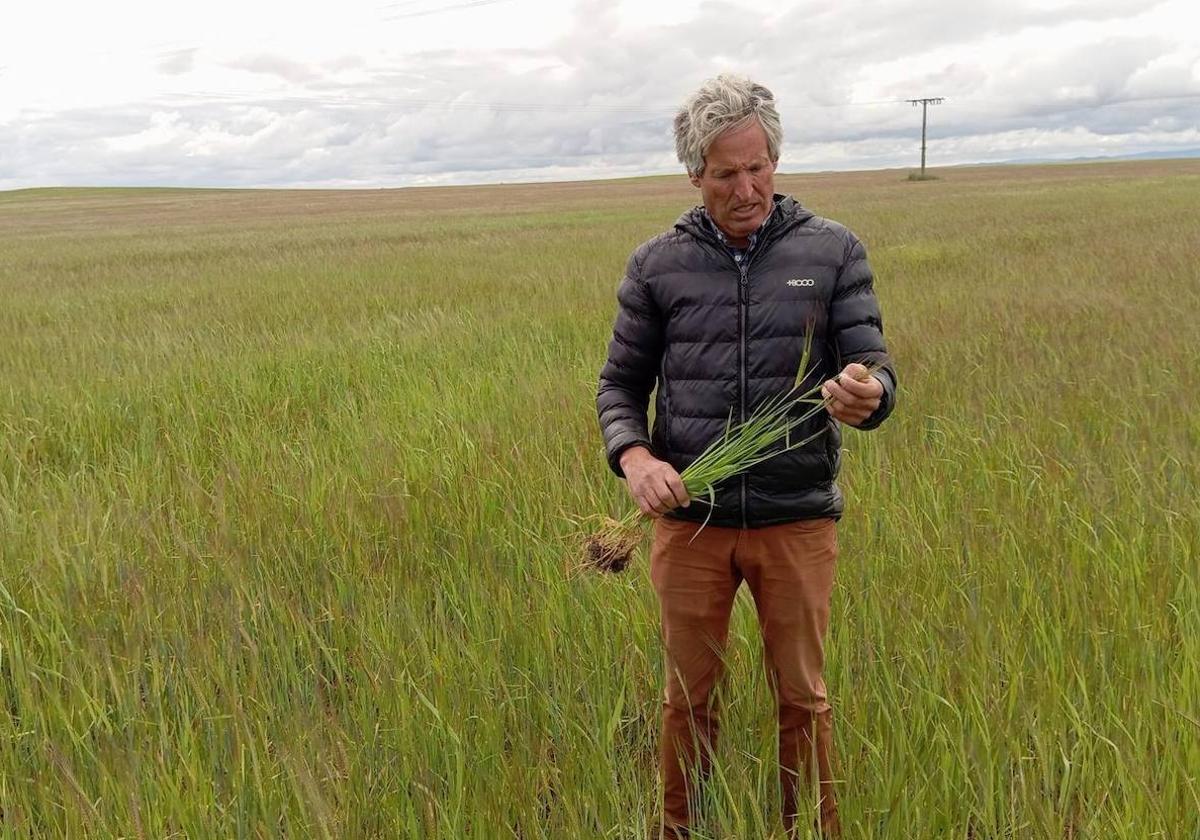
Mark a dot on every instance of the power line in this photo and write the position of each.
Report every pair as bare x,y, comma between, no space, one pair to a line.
470,4
535,107
649,111
350,102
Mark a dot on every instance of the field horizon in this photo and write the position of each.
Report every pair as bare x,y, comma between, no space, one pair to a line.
901,171
289,482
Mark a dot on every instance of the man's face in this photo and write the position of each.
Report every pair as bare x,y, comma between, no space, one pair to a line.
738,184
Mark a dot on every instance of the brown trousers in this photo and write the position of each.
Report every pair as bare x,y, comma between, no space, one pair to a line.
789,569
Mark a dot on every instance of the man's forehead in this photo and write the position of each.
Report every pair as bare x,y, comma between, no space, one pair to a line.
739,148
743,161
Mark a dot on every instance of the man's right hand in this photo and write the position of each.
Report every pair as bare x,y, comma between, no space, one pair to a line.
653,484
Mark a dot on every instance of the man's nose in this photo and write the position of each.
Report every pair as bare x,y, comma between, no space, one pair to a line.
743,186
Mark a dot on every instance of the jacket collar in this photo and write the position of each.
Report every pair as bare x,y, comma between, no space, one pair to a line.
786,214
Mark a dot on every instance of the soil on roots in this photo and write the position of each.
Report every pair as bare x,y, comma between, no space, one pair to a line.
608,556
610,548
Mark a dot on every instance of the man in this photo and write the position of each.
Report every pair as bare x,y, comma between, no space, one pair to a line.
716,311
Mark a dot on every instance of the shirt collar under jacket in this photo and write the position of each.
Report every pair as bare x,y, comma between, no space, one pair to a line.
739,253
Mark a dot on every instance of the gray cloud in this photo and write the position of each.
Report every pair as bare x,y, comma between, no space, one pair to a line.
599,100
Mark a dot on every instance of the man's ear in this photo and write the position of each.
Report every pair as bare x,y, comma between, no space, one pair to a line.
774,164
695,179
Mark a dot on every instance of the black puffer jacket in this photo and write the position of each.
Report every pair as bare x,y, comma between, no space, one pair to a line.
718,338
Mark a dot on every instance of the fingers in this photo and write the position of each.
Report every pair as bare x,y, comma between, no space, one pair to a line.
850,400
860,385
839,398
855,371
832,389
639,483
661,501
668,494
849,416
662,494
845,406
870,389
679,493
658,490
645,507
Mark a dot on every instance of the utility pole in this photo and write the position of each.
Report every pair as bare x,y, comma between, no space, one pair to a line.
925,102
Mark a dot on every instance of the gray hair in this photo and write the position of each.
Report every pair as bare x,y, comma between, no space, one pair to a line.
724,103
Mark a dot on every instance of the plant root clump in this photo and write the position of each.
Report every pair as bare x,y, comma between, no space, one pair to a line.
611,548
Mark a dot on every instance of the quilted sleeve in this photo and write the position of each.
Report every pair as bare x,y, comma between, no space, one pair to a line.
856,325
629,374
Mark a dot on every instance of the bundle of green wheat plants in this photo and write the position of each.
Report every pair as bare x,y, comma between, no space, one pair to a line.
610,546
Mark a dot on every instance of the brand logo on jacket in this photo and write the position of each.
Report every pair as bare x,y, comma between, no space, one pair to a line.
802,281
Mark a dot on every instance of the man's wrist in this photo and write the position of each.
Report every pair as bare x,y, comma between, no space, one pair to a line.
873,419
632,455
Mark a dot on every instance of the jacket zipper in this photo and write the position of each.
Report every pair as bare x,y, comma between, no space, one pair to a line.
666,403
743,305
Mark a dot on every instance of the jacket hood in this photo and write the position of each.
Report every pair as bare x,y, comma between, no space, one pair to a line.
787,211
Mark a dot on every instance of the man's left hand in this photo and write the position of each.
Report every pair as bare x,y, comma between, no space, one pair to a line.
855,393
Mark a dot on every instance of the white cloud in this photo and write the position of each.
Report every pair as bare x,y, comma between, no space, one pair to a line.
448,91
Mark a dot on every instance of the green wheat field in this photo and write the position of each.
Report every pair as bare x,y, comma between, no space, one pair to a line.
288,481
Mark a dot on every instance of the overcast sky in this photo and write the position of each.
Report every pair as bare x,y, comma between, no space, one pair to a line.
377,93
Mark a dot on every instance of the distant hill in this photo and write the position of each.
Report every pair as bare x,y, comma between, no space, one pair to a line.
1173,154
